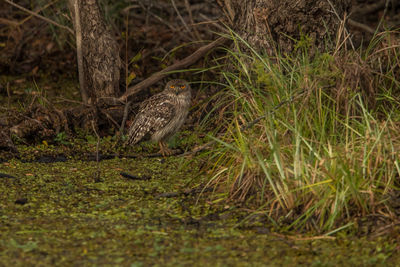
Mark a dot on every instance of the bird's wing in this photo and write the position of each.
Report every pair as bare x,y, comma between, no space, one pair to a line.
162,115
154,113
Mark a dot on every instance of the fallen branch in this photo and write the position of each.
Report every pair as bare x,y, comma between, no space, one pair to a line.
5,175
134,177
178,65
361,26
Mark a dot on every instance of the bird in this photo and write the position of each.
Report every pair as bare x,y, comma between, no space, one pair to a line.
162,115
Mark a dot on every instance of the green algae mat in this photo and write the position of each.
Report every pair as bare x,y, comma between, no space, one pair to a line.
63,214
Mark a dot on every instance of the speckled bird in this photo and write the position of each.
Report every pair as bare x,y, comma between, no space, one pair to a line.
162,115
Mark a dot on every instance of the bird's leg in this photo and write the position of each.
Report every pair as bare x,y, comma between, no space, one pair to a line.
164,149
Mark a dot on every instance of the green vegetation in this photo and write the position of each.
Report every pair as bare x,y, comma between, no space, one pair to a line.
308,164
312,141
303,168
58,214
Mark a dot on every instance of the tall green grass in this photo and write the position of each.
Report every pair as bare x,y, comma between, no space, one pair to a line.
312,141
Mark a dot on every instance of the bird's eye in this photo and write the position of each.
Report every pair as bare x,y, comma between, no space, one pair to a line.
183,86
172,86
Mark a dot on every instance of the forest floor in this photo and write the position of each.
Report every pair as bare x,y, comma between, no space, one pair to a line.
59,214
59,207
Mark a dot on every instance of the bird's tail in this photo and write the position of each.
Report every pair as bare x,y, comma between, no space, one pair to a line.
134,136
140,127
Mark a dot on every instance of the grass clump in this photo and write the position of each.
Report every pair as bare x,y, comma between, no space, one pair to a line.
313,141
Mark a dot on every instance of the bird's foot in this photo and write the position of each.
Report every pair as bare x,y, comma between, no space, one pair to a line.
164,150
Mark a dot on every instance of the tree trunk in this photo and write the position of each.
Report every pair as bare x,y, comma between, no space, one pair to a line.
99,74
257,21
97,52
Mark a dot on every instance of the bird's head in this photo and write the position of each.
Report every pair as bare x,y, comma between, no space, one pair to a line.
177,87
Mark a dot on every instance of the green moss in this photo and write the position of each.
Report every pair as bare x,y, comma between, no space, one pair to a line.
70,219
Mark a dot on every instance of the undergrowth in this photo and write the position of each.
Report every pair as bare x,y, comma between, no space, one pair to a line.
312,141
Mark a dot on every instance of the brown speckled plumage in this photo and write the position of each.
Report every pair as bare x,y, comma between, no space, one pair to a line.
162,115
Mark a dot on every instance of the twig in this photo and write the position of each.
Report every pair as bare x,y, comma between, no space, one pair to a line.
180,17
198,149
128,104
32,119
178,65
305,238
173,28
189,9
168,194
342,28
384,229
210,21
385,11
63,99
151,155
133,177
186,192
126,112
39,16
8,117
372,8
37,12
8,95
126,50
97,174
110,118
128,8
361,26
79,52
59,112
5,175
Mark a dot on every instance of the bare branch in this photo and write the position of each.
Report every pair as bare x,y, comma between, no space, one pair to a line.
39,16
180,17
178,65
